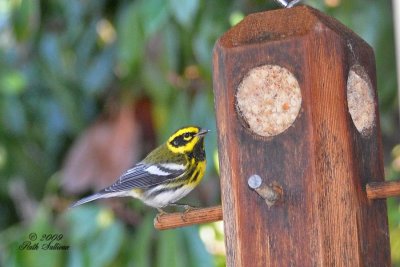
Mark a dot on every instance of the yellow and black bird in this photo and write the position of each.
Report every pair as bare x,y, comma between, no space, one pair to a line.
165,175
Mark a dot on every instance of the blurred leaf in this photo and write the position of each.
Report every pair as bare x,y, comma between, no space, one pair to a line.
86,48
171,50
141,245
65,96
3,161
169,250
134,28
75,257
130,42
9,241
12,82
74,16
204,39
184,11
202,108
99,73
179,107
49,50
82,231
235,18
395,244
153,14
25,18
216,161
161,114
13,115
108,242
197,253
55,125
98,233
155,83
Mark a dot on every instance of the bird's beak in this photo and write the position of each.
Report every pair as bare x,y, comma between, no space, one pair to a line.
202,132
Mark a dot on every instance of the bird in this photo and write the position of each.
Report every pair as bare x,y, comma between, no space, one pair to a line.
165,175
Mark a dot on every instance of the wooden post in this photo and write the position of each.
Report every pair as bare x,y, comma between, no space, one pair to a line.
296,105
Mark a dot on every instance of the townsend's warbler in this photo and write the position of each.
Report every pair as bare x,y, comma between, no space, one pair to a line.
166,175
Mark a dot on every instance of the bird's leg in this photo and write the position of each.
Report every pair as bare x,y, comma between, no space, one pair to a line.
189,208
185,206
161,211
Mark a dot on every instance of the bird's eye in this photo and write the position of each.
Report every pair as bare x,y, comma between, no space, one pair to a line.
175,142
186,136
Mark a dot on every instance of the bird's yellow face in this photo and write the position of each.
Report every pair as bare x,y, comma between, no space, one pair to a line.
184,140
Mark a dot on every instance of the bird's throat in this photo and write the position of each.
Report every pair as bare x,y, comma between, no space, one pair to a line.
198,151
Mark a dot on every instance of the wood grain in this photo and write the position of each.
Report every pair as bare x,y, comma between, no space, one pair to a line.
321,162
196,216
379,190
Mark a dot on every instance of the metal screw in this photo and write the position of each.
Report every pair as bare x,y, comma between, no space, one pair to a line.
287,4
254,181
271,194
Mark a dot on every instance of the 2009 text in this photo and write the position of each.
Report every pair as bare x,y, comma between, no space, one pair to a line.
45,242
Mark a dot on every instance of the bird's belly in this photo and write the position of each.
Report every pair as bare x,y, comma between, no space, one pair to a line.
162,199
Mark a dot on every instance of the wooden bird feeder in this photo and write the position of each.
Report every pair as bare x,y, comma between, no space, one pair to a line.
300,150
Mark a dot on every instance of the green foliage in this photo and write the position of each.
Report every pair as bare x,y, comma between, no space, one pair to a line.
61,65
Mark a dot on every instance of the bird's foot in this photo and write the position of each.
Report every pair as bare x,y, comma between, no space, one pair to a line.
160,214
188,209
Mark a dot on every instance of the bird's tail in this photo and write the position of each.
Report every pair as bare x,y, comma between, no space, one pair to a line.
96,196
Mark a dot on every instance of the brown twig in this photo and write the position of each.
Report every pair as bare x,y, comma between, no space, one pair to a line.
196,216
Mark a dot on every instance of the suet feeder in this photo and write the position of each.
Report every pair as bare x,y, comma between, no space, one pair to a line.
300,150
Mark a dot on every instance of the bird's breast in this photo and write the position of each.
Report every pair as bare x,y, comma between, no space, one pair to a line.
197,173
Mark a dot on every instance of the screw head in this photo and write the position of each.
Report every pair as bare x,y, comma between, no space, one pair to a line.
254,181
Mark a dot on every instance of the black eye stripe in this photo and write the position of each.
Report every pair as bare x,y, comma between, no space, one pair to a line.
178,141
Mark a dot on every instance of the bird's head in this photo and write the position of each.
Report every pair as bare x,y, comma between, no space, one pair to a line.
185,139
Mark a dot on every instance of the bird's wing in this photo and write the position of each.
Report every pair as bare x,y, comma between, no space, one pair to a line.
144,175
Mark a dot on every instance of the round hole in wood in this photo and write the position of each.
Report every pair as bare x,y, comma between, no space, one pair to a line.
360,100
268,99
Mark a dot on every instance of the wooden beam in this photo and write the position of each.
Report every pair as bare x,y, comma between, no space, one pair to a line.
322,161
195,216
378,190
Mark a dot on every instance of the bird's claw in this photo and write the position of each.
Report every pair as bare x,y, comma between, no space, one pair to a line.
188,209
160,214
